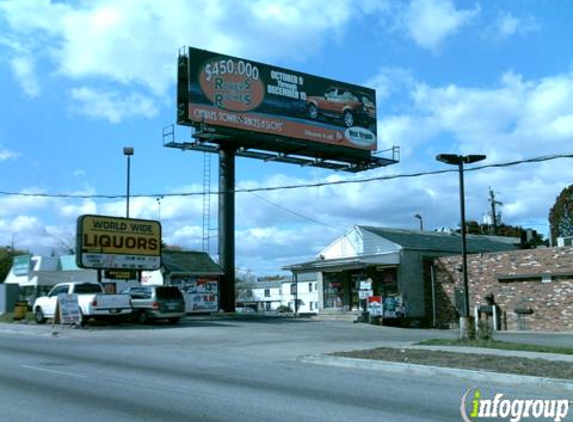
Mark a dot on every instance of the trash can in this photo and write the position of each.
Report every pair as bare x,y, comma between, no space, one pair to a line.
522,312
20,309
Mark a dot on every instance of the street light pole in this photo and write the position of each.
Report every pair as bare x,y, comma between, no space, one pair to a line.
466,312
128,152
419,217
159,208
459,160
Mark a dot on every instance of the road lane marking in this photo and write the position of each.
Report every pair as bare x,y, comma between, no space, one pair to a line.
53,371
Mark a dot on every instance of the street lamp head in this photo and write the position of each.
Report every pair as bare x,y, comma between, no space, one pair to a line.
449,158
468,159
128,151
458,159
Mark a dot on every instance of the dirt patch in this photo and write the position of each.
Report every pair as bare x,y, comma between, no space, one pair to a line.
493,363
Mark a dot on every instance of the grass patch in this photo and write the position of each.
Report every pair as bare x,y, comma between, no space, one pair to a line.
8,317
507,365
503,345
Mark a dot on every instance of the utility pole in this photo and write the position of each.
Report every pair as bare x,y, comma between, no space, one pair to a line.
494,215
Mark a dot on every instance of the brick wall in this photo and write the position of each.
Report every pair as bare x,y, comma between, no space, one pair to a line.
515,280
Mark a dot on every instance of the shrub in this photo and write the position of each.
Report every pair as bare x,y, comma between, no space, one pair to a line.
484,331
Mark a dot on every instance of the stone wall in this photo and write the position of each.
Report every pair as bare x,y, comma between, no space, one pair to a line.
537,280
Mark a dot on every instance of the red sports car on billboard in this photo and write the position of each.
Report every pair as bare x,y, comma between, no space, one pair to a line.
351,107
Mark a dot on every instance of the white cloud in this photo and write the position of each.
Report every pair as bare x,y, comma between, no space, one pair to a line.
87,206
516,119
132,45
129,48
35,15
186,236
25,223
26,232
14,204
136,42
112,106
429,22
390,81
508,25
6,154
267,249
23,69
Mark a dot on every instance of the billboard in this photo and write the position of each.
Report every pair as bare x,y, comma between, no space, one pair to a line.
246,97
118,243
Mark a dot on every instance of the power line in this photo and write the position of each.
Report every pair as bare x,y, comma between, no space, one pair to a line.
306,217
286,187
298,214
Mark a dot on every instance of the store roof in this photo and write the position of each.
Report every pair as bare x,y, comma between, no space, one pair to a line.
268,284
189,262
442,241
68,263
389,259
383,245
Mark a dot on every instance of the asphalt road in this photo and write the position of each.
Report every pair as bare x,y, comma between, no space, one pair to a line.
222,370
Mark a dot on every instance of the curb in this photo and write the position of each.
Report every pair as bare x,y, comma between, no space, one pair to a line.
426,370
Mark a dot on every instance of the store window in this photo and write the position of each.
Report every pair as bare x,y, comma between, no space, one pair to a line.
334,287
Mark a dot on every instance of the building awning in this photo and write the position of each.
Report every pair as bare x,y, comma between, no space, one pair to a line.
345,264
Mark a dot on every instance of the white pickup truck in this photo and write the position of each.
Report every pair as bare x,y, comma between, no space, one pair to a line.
92,299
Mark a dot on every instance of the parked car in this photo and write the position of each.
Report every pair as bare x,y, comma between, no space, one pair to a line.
352,107
245,310
150,303
94,303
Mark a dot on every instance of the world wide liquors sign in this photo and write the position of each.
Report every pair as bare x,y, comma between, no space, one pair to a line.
255,98
118,243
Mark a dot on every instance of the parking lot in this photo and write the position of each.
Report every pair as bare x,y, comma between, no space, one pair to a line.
274,336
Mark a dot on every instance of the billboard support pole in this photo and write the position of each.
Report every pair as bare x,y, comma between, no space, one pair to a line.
227,227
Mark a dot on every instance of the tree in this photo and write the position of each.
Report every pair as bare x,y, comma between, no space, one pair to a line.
561,215
166,247
473,227
244,280
529,238
65,243
6,258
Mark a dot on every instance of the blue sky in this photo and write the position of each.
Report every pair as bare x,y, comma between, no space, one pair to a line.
79,80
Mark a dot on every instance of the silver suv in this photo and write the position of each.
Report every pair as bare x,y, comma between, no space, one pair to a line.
156,302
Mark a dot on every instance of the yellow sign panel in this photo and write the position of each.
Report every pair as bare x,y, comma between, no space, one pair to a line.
113,242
